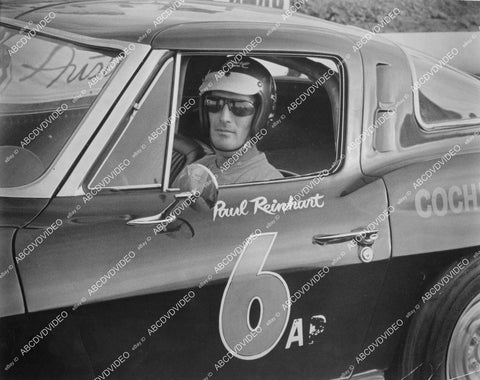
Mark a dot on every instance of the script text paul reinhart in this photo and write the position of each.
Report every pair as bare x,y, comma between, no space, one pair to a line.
262,204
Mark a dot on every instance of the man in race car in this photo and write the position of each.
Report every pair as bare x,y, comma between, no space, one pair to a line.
234,107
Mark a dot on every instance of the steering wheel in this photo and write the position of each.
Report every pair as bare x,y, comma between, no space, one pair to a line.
19,166
186,150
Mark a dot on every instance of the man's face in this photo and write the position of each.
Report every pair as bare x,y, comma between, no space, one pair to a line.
228,131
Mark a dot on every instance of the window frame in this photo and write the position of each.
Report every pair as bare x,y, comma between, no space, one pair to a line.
453,125
340,138
131,114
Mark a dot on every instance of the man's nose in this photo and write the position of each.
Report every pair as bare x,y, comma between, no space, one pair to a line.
225,114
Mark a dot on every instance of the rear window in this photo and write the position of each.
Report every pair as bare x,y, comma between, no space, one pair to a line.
47,86
446,96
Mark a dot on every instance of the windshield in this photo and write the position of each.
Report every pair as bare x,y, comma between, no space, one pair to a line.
47,86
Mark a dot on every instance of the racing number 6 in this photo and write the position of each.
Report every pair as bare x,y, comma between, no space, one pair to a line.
247,283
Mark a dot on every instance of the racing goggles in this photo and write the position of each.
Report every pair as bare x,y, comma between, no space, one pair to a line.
214,104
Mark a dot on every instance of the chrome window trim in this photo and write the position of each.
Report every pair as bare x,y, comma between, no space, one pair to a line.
151,85
46,185
453,125
372,374
340,154
75,182
173,121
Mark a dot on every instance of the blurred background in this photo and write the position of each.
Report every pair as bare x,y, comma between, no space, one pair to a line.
415,16
430,26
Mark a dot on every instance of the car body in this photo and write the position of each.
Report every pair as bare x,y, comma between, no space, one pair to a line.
63,239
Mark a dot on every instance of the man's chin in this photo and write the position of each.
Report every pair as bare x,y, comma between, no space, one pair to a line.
226,148
224,145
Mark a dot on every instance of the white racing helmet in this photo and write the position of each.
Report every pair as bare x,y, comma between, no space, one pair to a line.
247,77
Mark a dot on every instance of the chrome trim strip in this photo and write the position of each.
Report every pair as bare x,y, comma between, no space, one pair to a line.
73,185
373,374
341,153
173,121
140,103
133,187
46,185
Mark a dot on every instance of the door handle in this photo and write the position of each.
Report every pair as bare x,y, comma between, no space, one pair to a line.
165,217
363,236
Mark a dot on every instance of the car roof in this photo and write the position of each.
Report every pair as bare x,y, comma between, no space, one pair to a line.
128,20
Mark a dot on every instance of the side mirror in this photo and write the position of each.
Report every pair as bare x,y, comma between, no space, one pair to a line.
199,188
198,181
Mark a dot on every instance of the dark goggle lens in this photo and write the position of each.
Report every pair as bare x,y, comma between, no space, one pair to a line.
238,107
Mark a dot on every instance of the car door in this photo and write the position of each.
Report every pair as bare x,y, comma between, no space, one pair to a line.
284,292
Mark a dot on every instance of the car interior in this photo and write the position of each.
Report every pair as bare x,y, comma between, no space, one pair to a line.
304,142
23,163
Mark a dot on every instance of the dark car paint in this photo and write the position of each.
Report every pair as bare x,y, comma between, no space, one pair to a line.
62,276
10,287
18,212
96,18
107,330
94,341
